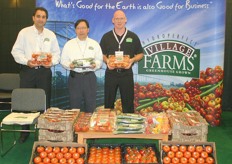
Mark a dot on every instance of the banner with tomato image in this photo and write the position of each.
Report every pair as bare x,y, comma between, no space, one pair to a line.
183,43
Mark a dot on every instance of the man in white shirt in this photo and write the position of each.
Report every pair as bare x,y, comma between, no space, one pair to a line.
82,56
36,49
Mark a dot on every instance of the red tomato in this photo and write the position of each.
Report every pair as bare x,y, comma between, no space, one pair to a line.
175,160
39,149
179,154
67,155
183,148
72,150
64,150
187,154
171,154
191,148
200,160
48,149
81,150
199,148
183,160
63,160
54,160
204,154
166,148
56,150
195,154
59,155
166,160
43,154
37,159
46,160
76,155
192,160
80,161
174,148
51,155
209,149
209,160
71,160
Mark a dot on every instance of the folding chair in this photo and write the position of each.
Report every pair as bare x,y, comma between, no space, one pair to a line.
8,82
27,104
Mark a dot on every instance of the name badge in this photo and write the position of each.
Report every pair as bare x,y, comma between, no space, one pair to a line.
119,56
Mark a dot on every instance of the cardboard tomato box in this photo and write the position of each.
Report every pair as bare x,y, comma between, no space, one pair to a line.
55,144
58,119
53,135
188,126
180,145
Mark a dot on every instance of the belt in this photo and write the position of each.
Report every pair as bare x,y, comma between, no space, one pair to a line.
119,70
73,73
84,73
27,67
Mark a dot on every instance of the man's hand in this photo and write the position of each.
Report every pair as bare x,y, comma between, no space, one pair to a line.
32,64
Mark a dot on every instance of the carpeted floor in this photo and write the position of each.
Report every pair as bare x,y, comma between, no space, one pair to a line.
221,135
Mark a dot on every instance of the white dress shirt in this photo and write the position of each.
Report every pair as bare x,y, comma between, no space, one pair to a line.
30,41
76,49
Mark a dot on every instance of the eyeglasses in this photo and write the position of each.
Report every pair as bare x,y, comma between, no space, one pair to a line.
81,28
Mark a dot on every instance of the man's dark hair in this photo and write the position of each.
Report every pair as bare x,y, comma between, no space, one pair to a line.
42,9
81,20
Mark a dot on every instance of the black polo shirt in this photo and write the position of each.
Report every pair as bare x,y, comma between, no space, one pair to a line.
131,44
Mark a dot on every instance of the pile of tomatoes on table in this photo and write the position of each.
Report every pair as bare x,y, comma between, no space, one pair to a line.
187,154
49,154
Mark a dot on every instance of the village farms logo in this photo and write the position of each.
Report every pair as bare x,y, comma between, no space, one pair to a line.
170,57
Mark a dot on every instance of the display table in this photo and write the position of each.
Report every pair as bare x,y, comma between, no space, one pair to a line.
82,136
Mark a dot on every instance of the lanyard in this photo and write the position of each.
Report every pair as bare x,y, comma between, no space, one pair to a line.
82,50
119,43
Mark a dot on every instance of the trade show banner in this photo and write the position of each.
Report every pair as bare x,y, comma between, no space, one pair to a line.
183,42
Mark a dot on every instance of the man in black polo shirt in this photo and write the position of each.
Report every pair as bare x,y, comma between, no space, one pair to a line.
120,41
